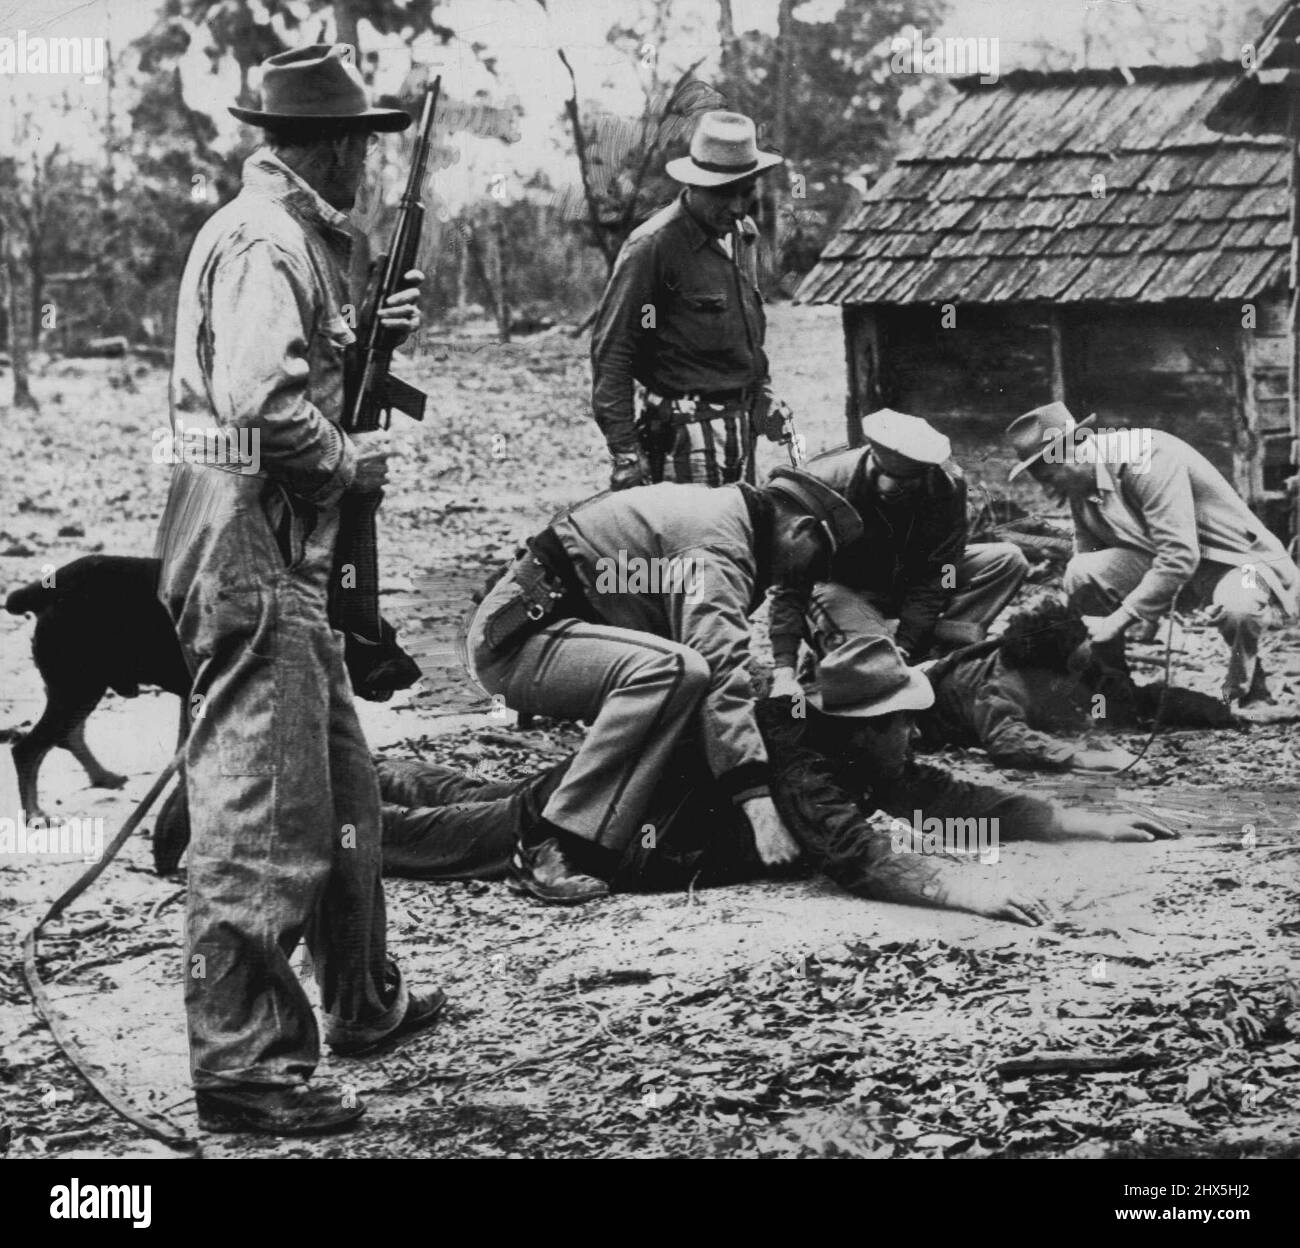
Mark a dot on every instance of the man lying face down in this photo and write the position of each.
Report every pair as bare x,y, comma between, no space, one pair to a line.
1042,681
837,756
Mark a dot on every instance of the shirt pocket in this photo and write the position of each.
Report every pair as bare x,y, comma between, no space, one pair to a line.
706,316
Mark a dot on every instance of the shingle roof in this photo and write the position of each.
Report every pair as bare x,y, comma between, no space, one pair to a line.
995,202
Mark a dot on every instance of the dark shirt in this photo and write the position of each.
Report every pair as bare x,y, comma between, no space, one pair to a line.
900,559
982,702
1011,712
824,797
679,316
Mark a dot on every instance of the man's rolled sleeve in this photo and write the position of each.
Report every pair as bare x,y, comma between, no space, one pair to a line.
1164,500
1010,742
260,322
615,341
786,612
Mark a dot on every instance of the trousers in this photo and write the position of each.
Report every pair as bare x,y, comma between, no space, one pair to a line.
1096,582
638,692
713,447
987,579
284,806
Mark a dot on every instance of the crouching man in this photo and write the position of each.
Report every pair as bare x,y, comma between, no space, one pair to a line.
631,611
1156,527
911,574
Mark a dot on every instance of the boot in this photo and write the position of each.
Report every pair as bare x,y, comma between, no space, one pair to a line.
299,1110
543,871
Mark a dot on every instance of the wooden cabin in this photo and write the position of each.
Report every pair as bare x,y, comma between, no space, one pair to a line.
1080,236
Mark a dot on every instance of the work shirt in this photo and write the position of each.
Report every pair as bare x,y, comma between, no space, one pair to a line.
820,789
679,315
260,343
1175,506
697,547
1013,713
982,702
900,559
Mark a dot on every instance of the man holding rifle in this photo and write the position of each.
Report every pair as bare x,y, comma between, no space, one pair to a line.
682,315
283,801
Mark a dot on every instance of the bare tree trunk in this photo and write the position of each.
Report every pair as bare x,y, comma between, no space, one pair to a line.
345,25
726,41
18,330
35,290
500,266
599,235
462,267
785,73
475,250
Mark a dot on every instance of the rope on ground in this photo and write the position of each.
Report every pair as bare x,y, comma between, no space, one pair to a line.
148,1121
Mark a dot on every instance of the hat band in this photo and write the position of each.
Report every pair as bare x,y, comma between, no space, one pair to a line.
712,166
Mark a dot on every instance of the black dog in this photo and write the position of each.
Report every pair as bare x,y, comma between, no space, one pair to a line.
100,626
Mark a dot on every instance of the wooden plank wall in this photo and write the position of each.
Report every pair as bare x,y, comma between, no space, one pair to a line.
1183,368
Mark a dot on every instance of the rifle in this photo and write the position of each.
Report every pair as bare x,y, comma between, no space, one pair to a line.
371,393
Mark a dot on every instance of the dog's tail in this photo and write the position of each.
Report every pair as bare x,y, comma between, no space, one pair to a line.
30,599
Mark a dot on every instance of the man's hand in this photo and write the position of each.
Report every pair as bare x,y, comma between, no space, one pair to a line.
373,450
1114,759
995,899
1089,826
400,312
1104,628
785,684
779,425
775,845
631,468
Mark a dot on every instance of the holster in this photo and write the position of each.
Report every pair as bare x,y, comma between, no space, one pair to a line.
537,596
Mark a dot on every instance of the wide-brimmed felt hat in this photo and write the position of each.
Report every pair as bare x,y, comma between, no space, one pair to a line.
724,148
866,676
902,441
1036,432
838,517
318,85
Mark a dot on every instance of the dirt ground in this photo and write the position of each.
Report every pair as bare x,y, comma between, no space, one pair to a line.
777,1019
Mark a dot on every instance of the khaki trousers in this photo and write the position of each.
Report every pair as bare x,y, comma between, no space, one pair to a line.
1096,582
638,692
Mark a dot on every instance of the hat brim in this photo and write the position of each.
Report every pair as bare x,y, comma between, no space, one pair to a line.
1086,423
916,695
385,120
685,170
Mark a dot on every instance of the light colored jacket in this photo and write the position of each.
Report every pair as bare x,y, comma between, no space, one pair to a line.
1175,506
709,583
260,341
